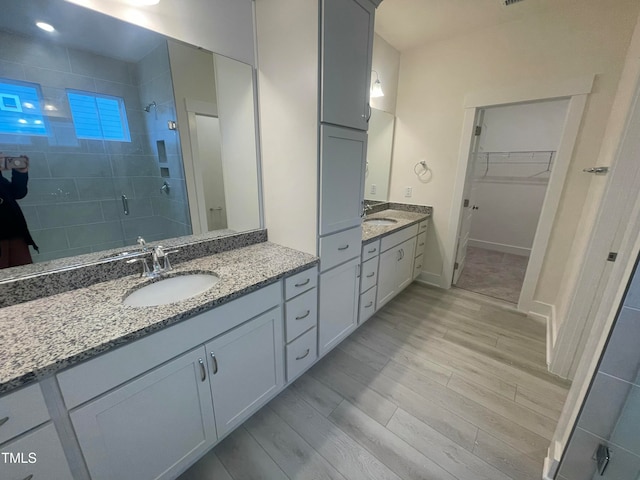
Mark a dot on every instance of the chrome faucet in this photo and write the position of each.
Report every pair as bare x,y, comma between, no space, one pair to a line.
160,260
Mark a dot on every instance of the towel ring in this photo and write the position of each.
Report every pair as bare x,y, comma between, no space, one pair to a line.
425,168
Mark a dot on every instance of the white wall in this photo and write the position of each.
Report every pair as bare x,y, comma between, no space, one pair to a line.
288,95
234,85
385,61
570,40
210,158
509,208
222,26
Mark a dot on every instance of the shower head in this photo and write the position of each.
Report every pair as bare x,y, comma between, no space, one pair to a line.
148,107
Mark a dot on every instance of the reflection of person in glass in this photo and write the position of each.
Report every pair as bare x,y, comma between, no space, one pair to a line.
14,234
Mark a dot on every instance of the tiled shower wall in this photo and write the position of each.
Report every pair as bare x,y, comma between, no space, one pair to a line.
74,203
611,413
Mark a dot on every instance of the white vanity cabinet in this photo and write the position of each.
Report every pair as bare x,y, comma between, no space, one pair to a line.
347,46
40,456
148,409
397,261
338,305
343,155
246,368
153,426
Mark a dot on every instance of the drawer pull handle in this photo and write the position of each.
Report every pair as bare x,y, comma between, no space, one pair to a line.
373,250
303,356
3,420
303,283
371,274
344,248
368,304
203,370
304,316
215,363
421,244
28,477
422,227
419,266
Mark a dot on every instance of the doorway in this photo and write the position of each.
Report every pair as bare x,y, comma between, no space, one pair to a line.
511,163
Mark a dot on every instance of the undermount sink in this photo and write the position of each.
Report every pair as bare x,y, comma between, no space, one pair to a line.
380,221
170,290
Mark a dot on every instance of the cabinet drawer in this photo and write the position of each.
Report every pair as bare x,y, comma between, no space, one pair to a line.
300,282
417,266
398,237
301,353
422,239
369,274
422,226
370,250
41,447
21,411
367,305
340,247
301,314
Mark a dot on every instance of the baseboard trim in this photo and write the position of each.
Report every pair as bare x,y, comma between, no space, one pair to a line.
500,247
431,279
545,314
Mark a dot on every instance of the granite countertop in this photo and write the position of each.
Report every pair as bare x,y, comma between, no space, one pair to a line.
404,219
43,336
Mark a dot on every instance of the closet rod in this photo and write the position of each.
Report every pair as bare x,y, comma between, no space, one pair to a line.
517,152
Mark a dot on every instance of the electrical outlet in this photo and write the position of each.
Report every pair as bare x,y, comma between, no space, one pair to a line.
374,189
408,191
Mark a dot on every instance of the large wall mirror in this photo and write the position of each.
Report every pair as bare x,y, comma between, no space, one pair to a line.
128,133
379,152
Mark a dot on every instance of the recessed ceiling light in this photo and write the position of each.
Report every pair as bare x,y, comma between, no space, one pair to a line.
38,122
45,26
50,107
27,105
22,120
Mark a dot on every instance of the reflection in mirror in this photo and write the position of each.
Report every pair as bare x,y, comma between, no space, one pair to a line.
92,106
379,151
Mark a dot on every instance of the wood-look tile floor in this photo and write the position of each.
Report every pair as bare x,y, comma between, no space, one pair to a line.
437,385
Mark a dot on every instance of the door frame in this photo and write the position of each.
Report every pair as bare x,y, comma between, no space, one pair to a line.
576,90
193,174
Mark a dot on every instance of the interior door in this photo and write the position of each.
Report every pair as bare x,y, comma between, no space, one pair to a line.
467,203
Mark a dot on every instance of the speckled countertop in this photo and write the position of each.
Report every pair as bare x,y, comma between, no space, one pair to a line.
45,335
404,219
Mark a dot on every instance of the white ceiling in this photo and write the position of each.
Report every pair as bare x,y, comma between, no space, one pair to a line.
409,23
79,28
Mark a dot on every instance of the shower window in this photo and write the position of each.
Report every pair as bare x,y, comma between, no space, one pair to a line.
99,117
20,108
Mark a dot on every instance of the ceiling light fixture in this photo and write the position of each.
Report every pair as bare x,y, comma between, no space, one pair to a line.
45,26
376,88
143,3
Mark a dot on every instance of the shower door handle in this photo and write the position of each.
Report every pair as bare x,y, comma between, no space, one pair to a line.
125,204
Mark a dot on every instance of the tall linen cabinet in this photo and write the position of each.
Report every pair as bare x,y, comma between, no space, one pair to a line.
314,72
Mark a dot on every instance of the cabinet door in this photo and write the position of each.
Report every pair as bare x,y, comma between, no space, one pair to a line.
246,368
36,455
343,155
151,427
347,45
387,282
404,267
338,304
